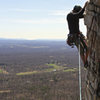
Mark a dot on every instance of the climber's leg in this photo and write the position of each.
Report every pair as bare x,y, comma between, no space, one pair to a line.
83,59
85,47
83,40
86,55
82,54
81,50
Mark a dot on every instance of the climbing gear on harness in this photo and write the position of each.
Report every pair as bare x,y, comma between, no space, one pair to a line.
70,40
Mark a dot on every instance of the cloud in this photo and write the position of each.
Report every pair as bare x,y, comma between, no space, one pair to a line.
49,12
27,10
38,21
21,10
59,12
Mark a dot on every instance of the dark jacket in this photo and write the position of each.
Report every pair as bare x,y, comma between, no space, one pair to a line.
73,21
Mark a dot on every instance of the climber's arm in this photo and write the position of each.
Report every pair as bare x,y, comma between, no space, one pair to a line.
80,13
82,16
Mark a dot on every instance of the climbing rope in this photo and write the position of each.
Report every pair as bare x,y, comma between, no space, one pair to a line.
80,90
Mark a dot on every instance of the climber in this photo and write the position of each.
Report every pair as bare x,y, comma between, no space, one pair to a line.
75,37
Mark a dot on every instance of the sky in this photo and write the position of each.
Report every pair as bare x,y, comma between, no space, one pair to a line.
36,19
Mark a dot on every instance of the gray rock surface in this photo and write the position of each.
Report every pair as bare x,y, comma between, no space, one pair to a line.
92,21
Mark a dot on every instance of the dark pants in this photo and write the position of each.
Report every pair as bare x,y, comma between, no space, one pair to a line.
83,45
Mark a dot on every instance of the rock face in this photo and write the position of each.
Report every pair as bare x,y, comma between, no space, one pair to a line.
92,21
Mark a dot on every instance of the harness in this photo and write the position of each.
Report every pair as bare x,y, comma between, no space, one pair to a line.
75,37
71,40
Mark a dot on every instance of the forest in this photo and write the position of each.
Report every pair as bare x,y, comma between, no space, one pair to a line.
39,70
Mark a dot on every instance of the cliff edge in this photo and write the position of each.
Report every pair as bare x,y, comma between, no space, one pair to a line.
92,22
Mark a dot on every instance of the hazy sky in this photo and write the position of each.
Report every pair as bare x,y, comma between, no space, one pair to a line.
35,19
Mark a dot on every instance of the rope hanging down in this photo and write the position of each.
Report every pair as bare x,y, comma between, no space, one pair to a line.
80,90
